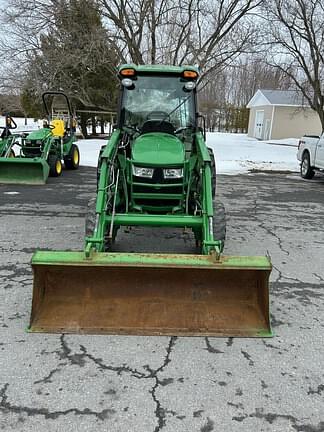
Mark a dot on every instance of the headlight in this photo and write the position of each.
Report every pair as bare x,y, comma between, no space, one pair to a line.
172,173
142,172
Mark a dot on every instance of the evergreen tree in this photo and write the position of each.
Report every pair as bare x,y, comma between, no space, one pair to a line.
74,57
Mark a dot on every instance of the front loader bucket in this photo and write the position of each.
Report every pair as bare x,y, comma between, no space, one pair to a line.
20,170
147,294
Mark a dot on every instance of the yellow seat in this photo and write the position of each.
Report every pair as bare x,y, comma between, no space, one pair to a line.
59,128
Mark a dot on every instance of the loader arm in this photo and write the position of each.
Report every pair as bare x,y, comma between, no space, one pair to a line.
96,242
210,245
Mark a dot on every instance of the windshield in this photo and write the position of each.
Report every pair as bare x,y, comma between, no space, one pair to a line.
158,98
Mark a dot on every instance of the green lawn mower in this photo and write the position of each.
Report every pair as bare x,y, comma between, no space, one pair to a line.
155,171
43,151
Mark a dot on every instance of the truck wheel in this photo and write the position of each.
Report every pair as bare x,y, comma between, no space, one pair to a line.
306,171
219,222
72,160
55,166
213,171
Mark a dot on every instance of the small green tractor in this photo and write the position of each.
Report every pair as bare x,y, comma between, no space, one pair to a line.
42,151
155,171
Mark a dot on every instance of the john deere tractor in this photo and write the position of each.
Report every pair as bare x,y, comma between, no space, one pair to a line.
155,171
43,151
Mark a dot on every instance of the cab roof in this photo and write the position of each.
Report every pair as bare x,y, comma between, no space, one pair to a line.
159,69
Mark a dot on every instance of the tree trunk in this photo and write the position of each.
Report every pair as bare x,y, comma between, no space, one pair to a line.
93,125
84,125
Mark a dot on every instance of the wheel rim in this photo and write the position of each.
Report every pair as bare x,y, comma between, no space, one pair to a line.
75,157
58,166
304,166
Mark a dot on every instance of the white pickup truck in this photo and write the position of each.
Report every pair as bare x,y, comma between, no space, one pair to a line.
311,155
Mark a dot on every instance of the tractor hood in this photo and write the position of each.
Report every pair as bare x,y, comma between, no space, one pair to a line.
158,149
39,134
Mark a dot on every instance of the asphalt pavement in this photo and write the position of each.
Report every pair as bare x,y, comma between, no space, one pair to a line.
150,384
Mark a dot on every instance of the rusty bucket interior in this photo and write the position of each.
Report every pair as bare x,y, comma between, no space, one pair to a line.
150,300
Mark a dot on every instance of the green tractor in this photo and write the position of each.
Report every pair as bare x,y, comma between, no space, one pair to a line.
42,151
7,138
155,171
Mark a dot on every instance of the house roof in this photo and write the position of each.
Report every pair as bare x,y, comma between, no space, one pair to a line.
277,97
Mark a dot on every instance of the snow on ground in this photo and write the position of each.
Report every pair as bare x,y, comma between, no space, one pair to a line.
89,151
234,153
23,124
237,153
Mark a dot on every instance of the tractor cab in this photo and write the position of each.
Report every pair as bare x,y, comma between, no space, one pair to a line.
158,118
153,101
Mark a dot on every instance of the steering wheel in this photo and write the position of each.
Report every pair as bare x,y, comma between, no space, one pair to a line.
182,128
49,126
157,115
133,128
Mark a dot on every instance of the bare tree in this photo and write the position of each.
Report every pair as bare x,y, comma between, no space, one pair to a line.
297,46
224,98
206,33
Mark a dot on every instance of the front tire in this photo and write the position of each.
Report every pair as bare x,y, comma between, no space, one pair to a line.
306,171
72,161
55,165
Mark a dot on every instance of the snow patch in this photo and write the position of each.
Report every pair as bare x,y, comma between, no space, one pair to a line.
234,153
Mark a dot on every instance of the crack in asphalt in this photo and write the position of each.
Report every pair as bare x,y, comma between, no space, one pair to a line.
160,412
318,277
211,349
79,359
269,231
272,417
7,406
248,357
47,378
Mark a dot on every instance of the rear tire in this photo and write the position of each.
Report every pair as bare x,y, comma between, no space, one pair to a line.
72,161
55,166
306,171
219,222
213,170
